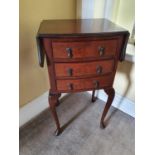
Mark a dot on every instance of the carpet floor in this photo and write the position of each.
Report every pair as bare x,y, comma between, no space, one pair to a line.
82,135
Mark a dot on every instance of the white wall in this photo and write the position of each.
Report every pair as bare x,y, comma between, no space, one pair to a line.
122,13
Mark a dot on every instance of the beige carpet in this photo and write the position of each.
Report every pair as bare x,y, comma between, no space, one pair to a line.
82,135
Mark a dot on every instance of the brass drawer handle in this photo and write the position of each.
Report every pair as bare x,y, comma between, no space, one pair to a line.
69,52
101,51
96,84
99,69
69,71
70,86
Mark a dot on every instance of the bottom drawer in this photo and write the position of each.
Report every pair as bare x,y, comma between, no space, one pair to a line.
85,84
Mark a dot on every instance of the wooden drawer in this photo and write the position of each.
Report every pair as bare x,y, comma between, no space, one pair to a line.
84,68
85,49
85,84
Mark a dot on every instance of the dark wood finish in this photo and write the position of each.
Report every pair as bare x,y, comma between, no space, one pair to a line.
93,99
58,102
111,93
81,55
78,27
53,98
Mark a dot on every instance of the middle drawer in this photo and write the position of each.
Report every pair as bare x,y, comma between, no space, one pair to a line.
84,68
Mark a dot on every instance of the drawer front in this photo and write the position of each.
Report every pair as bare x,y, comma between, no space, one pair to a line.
84,68
84,49
85,84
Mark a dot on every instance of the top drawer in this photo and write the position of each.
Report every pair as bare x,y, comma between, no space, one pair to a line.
84,49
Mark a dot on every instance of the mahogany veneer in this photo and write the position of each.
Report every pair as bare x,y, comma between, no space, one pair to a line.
84,49
81,55
84,68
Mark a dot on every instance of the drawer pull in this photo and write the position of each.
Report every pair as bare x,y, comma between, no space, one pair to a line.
101,51
96,84
70,86
69,71
69,52
99,69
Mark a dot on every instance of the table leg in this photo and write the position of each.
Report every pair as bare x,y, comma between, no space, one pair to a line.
53,99
58,102
111,93
93,96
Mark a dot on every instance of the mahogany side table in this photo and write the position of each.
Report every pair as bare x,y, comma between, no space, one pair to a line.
81,55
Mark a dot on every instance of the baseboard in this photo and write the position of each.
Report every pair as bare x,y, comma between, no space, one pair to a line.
120,102
34,108
38,105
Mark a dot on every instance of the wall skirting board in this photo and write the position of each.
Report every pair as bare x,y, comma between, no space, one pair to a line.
34,108
119,102
38,105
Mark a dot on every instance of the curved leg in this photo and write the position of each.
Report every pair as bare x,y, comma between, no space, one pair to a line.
53,98
93,96
111,93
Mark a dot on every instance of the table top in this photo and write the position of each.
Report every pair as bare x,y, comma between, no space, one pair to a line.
78,27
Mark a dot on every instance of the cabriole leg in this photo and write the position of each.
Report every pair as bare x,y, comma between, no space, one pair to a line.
53,99
111,93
